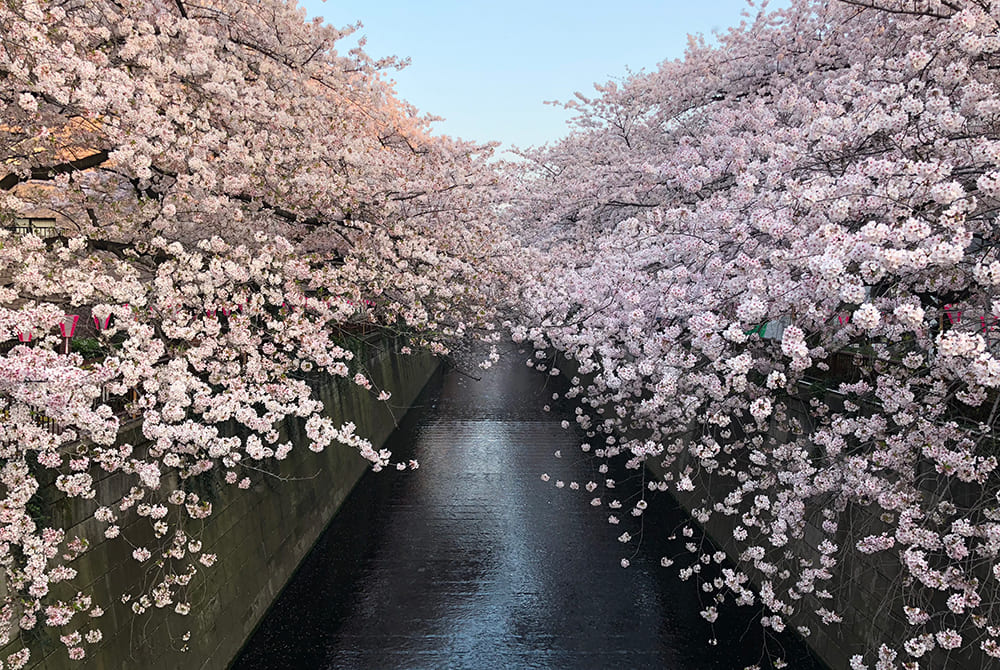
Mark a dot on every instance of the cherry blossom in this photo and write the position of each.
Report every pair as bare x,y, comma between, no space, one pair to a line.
239,204
774,259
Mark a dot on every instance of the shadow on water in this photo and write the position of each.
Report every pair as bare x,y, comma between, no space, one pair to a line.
473,561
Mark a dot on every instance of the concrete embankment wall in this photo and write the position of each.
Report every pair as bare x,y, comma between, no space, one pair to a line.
260,536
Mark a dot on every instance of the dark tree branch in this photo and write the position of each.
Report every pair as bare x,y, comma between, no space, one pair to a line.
49,172
870,4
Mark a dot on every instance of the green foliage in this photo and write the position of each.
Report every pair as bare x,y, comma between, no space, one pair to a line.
88,347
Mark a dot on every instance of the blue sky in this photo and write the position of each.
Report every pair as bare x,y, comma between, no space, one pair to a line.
487,67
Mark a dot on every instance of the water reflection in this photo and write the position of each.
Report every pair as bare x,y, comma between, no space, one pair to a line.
473,562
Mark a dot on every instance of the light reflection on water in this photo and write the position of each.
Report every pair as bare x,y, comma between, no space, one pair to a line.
473,562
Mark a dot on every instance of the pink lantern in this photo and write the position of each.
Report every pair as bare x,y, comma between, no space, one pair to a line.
68,328
102,325
68,325
24,337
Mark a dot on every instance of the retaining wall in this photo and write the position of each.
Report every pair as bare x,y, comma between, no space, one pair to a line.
260,536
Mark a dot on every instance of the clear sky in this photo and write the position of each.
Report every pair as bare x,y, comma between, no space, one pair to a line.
488,67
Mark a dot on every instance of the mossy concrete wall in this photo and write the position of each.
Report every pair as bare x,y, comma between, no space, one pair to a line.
260,536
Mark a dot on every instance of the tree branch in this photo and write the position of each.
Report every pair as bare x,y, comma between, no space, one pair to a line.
911,12
49,172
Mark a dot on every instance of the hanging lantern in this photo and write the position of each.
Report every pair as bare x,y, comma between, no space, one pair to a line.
24,337
68,325
102,325
68,328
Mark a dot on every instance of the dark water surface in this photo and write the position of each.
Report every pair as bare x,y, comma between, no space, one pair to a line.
473,562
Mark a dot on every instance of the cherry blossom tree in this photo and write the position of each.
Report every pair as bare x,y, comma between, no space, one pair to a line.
773,264
229,189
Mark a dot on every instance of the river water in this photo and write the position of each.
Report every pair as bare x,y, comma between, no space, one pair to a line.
473,562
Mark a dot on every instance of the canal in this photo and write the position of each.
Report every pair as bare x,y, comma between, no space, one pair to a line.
473,562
